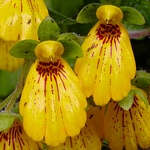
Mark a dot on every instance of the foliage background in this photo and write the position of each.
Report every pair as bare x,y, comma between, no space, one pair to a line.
65,13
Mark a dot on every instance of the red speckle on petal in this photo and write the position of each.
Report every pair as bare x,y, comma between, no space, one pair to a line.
53,70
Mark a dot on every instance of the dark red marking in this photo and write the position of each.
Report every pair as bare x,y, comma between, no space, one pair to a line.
57,87
14,5
98,62
71,144
91,116
93,46
53,70
21,6
13,136
110,69
108,33
4,147
83,143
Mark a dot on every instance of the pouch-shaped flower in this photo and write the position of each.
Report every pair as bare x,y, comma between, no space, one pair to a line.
19,20
88,139
108,64
52,102
16,139
127,129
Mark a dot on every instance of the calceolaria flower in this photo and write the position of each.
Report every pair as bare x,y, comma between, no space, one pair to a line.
88,139
127,129
52,103
108,63
16,139
19,20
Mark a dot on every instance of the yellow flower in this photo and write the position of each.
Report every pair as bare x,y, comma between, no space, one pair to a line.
16,139
88,139
108,63
52,103
19,20
127,129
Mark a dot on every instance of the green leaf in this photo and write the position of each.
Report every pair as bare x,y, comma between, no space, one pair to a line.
24,49
132,16
61,19
127,102
48,30
68,8
142,96
112,2
73,36
72,48
8,81
15,108
7,120
44,147
142,6
88,13
142,79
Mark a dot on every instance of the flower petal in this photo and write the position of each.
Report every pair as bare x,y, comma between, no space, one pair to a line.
108,63
88,139
16,139
8,61
54,102
129,129
21,19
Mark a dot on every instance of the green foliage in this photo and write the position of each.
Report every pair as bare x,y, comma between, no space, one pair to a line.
72,48
7,120
67,8
64,12
44,146
8,81
73,36
48,30
24,49
142,6
142,96
132,16
142,79
112,2
127,102
88,13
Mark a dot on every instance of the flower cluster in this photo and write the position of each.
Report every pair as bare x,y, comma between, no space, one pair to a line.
53,102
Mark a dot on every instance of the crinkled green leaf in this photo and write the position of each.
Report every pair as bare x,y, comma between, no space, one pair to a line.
132,16
24,49
7,120
112,2
142,96
8,81
72,48
88,13
127,102
48,30
142,79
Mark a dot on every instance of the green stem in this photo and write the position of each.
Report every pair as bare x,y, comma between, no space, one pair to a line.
4,102
11,99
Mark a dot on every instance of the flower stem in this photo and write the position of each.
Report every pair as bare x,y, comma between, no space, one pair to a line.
11,99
